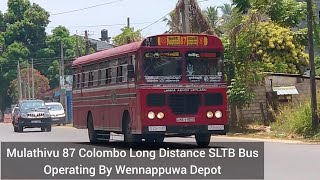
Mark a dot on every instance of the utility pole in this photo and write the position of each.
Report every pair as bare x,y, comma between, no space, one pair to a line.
315,120
78,51
86,37
32,77
128,22
128,26
185,16
19,81
62,91
28,78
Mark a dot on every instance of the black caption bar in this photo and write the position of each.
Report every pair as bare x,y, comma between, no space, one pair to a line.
145,161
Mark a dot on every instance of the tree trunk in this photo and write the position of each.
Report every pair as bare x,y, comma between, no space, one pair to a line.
234,117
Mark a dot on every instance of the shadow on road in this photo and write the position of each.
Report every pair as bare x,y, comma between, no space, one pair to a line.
147,146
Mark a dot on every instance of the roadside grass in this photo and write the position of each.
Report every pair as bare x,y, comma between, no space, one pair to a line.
292,123
295,121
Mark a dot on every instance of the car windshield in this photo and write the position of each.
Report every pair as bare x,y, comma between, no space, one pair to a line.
55,107
203,67
33,105
162,67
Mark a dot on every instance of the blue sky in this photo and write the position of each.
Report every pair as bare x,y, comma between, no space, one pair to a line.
141,12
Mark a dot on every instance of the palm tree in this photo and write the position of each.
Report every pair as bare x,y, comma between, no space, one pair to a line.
226,10
212,14
199,23
173,22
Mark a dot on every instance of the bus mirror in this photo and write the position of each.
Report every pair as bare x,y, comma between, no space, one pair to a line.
130,71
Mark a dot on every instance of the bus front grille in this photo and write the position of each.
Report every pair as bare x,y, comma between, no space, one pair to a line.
184,103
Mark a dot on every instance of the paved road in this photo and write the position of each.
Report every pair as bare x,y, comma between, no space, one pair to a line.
282,160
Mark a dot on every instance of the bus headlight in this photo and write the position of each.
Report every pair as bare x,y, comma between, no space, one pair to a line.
160,115
218,114
209,114
151,115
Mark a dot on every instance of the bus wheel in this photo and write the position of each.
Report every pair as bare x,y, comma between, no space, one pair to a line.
91,132
203,140
127,131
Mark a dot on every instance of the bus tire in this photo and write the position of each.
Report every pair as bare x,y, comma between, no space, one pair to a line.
203,140
129,138
91,132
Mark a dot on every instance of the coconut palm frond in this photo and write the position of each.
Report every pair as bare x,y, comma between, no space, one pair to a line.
198,20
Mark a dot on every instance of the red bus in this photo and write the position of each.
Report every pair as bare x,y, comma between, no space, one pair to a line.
165,85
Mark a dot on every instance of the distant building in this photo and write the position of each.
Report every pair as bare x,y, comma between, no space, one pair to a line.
99,45
103,43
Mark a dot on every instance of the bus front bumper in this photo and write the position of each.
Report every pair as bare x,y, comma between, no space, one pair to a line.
187,129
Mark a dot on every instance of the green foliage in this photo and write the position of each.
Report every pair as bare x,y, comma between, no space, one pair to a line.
53,74
295,120
239,94
317,65
212,14
2,22
27,27
23,37
287,13
16,10
16,51
242,5
275,47
128,35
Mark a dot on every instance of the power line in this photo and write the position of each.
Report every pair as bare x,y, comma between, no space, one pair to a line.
165,16
156,21
102,25
90,7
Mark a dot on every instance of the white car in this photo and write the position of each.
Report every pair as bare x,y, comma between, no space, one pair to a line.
57,113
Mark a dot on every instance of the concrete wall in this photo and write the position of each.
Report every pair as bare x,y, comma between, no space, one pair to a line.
253,112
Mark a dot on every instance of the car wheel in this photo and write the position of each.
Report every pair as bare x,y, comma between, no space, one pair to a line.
15,128
20,128
43,129
49,128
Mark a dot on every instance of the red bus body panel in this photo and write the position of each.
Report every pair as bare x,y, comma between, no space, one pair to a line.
107,103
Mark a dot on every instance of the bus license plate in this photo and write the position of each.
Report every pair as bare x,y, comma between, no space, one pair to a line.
157,128
187,119
215,127
36,121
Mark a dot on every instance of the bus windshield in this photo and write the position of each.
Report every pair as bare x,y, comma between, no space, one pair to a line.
162,67
203,67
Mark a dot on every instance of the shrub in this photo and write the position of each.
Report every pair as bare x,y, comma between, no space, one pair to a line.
295,120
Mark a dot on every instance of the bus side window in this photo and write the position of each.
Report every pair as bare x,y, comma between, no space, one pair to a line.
78,80
90,77
108,76
120,73
74,81
113,75
83,78
99,77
